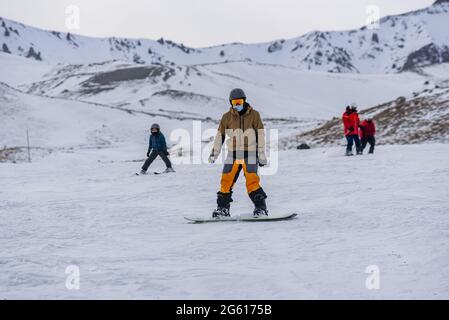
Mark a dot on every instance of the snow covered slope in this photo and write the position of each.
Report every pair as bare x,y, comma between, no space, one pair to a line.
421,118
129,239
401,42
278,92
109,103
61,125
17,70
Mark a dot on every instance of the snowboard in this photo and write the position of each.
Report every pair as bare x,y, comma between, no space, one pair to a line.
243,218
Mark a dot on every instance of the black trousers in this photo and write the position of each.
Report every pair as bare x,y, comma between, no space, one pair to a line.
153,155
354,138
372,142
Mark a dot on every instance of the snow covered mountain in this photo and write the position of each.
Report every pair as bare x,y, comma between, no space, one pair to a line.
402,42
420,118
110,104
86,105
167,82
278,92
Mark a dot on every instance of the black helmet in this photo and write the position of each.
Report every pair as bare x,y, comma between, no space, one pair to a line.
155,126
237,93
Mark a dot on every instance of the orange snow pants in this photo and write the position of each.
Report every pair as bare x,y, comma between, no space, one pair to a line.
231,173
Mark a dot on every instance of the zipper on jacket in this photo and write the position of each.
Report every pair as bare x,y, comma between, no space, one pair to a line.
241,132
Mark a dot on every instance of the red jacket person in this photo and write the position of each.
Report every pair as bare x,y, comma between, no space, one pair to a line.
367,133
351,123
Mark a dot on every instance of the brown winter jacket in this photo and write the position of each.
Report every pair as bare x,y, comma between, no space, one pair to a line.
245,132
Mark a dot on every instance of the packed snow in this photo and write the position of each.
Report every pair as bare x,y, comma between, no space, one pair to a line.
128,237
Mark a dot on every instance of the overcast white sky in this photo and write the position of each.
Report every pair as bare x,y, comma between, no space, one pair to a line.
200,23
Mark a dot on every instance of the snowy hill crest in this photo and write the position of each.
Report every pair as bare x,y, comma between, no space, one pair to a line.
402,42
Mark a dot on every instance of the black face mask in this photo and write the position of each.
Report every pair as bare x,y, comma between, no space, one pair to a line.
245,108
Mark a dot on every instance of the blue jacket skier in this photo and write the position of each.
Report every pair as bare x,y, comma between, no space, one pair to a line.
156,147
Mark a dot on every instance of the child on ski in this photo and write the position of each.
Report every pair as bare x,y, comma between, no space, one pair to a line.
367,132
246,150
351,123
157,147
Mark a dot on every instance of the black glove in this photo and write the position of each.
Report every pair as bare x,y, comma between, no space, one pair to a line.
148,154
351,129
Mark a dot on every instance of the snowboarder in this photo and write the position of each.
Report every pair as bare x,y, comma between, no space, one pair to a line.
351,123
367,132
157,147
246,151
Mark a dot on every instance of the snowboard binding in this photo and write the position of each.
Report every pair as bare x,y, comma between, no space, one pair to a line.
260,212
221,213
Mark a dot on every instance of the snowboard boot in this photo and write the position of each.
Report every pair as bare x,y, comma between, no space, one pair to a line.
143,172
169,170
258,198
349,153
223,205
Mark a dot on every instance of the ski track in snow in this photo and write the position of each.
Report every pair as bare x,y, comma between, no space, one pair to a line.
128,236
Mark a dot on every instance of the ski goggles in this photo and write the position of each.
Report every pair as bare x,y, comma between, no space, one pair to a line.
237,102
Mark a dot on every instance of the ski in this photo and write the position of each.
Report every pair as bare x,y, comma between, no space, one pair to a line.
150,173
